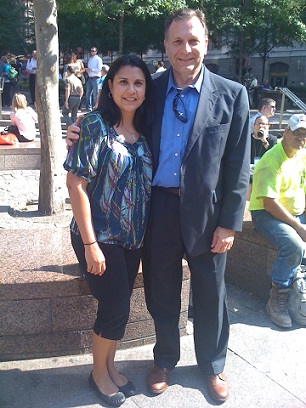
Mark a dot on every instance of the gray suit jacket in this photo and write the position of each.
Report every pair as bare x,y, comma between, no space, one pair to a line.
216,165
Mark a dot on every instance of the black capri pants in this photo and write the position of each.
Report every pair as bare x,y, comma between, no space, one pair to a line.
113,289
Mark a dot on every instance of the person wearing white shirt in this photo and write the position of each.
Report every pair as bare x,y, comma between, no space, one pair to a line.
32,69
160,67
93,70
266,107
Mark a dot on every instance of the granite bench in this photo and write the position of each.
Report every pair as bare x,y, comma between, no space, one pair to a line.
45,305
22,156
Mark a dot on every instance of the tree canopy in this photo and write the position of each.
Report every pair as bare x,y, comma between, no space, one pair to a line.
13,36
247,26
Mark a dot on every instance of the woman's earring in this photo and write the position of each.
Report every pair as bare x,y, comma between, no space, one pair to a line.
110,95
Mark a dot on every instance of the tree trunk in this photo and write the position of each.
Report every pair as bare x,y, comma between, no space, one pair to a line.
51,188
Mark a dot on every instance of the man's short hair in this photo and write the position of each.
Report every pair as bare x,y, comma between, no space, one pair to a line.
186,14
105,68
265,102
71,69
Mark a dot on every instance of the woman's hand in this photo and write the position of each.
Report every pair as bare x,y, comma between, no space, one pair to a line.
95,259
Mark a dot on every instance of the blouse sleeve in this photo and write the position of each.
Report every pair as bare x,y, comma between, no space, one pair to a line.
82,157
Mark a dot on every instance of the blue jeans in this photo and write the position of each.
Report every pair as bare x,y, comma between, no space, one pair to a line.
91,92
290,246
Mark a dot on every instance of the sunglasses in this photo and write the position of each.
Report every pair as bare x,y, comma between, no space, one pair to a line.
182,116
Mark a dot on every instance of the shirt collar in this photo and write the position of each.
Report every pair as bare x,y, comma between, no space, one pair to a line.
197,85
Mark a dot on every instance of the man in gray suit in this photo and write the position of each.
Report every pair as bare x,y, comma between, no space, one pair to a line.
201,156
200,147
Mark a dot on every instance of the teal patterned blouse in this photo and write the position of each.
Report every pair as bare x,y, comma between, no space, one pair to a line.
119,181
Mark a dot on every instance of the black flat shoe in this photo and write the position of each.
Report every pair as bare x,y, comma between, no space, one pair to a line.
115,400
128,389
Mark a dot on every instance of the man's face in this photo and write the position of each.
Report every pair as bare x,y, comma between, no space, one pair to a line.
269,110
261,123
186,46
296,139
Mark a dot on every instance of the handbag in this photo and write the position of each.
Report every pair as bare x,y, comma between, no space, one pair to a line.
8,139
12,73
82,78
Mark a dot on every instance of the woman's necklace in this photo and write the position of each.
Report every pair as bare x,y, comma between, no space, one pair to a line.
130,133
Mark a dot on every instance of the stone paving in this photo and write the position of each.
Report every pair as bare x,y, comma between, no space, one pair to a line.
19,190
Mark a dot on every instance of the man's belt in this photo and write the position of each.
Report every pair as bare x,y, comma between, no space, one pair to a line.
96,77
169,190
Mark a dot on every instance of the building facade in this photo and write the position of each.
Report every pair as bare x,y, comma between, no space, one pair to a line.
284,67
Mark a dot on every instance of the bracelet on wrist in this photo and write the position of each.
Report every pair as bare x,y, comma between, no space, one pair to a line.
90,243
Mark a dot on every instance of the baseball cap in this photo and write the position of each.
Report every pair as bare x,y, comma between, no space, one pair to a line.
297,121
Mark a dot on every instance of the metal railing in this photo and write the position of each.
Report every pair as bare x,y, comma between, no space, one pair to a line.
297,101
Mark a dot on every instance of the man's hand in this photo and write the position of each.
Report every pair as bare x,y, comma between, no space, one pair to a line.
73,131
223,240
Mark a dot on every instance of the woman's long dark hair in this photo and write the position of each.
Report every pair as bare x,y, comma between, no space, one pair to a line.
110,111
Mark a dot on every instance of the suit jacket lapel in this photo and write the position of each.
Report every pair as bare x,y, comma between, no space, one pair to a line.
207,100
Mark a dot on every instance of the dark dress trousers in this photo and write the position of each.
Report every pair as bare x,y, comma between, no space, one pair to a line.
213,188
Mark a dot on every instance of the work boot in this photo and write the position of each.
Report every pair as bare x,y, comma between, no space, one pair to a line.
297,297
277,307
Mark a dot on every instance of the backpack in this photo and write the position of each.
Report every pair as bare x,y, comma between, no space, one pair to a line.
12,73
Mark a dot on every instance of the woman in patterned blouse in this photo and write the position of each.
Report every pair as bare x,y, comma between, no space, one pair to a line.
109,182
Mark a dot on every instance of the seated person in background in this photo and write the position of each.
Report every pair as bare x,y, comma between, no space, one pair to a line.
266,107
261,139
23,119
277,207
261,142
266,85
160,67
73,96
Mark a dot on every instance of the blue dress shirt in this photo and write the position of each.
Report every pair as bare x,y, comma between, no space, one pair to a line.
175,133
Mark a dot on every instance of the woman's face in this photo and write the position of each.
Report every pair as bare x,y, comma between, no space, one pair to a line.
128,88
73,57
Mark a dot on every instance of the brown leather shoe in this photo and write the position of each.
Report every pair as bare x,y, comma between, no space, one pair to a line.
217,387
158,379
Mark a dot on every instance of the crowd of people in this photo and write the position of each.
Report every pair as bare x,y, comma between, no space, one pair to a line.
23,117
158,170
